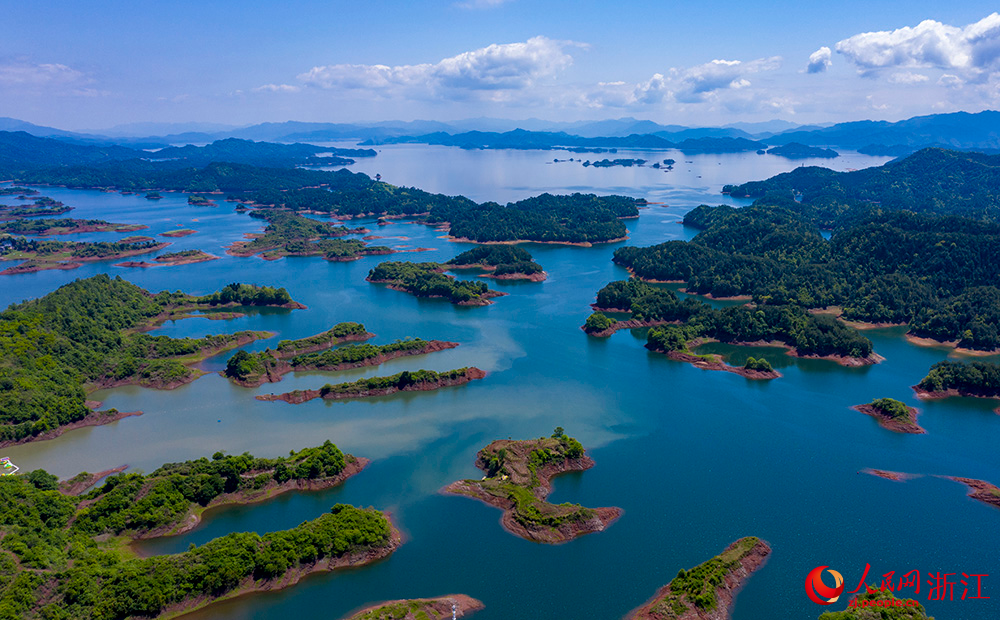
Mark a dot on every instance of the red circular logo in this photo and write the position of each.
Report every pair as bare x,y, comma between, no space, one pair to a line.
820,593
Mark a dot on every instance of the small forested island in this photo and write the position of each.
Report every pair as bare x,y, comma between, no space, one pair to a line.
153,196
184,257
87,335
707,591
69,557
314,353
802,333
879,605
8,212
503,262
439,608
977,379
17,191
518,479
426,280
40,255
65,227
406,381
201,201
893,415
795,150
610,163
289,234
180,232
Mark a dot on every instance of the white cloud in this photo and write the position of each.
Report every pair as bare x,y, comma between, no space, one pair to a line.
511,66
951,81
277,88
819,60
905,77
972,51
699,82
27,74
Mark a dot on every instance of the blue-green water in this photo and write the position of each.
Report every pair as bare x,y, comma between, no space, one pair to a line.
695,458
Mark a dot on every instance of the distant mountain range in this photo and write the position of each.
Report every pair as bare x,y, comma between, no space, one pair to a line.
958,130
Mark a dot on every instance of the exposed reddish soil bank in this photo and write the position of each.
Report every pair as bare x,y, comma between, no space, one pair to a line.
283,367
629,324
716,364
87,228
533,277
95,418
895,476
980,490
166,261
516,462
293,576
301,396
32,265
896,425
80,483
439,608
322,344
662,605
482,300
183,232
268,491
926,395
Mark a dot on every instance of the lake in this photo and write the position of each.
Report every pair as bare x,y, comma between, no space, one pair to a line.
695,458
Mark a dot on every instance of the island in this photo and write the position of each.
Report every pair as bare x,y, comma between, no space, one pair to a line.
180,232
89,335
439,608
707,591
17,191
677,343
796,150
65,227
42,255
201,201
426,280
82,564
153,196
289,234
686,323
502,262
184,257
8,212
518,479
975,379
610,163
893,415
406,381
895,476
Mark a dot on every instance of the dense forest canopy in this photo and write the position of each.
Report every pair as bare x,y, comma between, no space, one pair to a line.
84,332
426,280
936,274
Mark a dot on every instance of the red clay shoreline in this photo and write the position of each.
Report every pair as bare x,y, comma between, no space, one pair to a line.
893,424
94,418
298,397
440,606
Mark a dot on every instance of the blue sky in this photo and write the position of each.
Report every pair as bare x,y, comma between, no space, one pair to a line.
86,65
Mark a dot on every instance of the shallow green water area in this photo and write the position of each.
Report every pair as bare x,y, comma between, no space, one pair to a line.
695,458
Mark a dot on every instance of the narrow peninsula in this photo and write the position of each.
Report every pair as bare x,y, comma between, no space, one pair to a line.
707,591
946,379
406,381
518,479
82,564
502,262
426,280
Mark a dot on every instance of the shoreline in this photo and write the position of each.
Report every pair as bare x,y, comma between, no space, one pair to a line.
980,490
629,324
923,394
80,483
73,262
717,364
895,476
440,606
94,418
910,426
579,244
921,341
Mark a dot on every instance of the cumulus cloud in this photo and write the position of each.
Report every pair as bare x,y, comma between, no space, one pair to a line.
973,50
511,66
692,85
819,60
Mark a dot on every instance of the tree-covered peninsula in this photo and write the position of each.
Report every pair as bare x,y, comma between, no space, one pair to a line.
807,335
87,335
290,234
406,381
707,591
315,353
426,280
65,557
503,262
41,226
38,255
935,274
518,479
976,379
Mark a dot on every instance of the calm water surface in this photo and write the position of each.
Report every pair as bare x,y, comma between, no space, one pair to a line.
695,458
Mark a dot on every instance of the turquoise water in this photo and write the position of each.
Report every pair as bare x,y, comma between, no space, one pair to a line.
696,459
